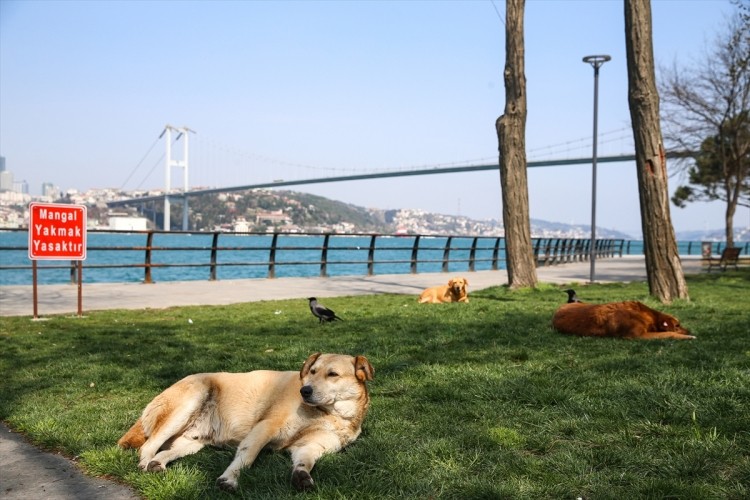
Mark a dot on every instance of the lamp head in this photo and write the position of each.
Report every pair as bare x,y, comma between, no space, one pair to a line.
597,60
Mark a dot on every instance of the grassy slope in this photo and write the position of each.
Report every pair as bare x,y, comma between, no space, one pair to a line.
469,401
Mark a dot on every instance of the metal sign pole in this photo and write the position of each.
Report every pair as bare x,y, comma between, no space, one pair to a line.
34,293
80,288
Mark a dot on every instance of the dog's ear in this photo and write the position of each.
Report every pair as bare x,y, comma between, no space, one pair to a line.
466,282
363,369
308,363
451,282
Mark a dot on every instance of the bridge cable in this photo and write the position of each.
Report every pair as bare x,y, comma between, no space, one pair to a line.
122,187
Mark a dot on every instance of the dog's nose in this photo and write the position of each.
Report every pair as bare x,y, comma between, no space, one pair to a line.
306,391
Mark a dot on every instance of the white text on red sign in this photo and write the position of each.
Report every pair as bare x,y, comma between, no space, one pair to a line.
57,231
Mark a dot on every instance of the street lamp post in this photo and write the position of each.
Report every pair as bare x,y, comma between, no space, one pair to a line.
595,62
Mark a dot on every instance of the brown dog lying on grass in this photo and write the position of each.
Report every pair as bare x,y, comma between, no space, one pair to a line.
310,412
454,291
627,320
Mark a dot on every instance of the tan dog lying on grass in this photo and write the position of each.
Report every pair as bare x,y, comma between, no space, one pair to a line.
628,320
317,410
454,291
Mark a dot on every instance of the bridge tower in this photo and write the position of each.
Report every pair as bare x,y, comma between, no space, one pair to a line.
182,133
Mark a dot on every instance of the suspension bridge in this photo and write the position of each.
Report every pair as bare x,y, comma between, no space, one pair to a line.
182,195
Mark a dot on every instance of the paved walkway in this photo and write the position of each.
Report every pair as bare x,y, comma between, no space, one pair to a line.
28,473
63,299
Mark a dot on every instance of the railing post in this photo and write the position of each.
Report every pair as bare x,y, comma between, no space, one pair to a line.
556,252
147,267
547,251
447,254
371,256
272,257
473,254
414,251
324,257
73,274
495,253
214,244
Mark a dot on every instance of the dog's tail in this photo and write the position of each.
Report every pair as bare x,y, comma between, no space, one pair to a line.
134,438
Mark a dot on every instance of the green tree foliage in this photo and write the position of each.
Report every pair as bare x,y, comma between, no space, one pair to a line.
707,180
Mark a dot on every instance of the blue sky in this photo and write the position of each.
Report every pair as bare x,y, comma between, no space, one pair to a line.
293,90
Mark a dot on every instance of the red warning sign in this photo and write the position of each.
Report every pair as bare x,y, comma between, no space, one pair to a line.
57,231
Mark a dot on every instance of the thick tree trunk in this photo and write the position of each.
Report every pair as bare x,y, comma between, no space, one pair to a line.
666,280
511,135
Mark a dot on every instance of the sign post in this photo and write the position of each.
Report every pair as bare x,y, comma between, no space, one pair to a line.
57,232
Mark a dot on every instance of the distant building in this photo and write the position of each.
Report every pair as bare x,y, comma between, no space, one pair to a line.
272,217
50,190
128,223
6,177
6,180
240,225
21,187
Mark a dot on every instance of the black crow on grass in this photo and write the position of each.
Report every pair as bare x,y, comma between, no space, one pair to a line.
322,312
572,297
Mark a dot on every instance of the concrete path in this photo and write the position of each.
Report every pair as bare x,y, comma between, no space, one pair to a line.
28,473
63,299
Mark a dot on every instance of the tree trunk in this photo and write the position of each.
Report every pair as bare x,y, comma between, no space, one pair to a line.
729,224
666,280
733,195
511,135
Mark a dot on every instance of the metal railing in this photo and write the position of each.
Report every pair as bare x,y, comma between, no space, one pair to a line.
271,252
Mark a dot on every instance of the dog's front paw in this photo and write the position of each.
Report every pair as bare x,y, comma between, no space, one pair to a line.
143,464
154,466
302,480
226,484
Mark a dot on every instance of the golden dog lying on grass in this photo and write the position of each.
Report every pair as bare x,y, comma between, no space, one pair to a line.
628,320
454,291
317,410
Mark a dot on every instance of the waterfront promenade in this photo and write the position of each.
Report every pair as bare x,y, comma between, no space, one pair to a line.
17,300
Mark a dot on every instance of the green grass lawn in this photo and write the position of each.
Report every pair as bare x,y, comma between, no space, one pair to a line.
478,400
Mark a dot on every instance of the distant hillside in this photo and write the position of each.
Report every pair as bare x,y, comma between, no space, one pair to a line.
294,211
291,211
263,210
740,235
545,228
